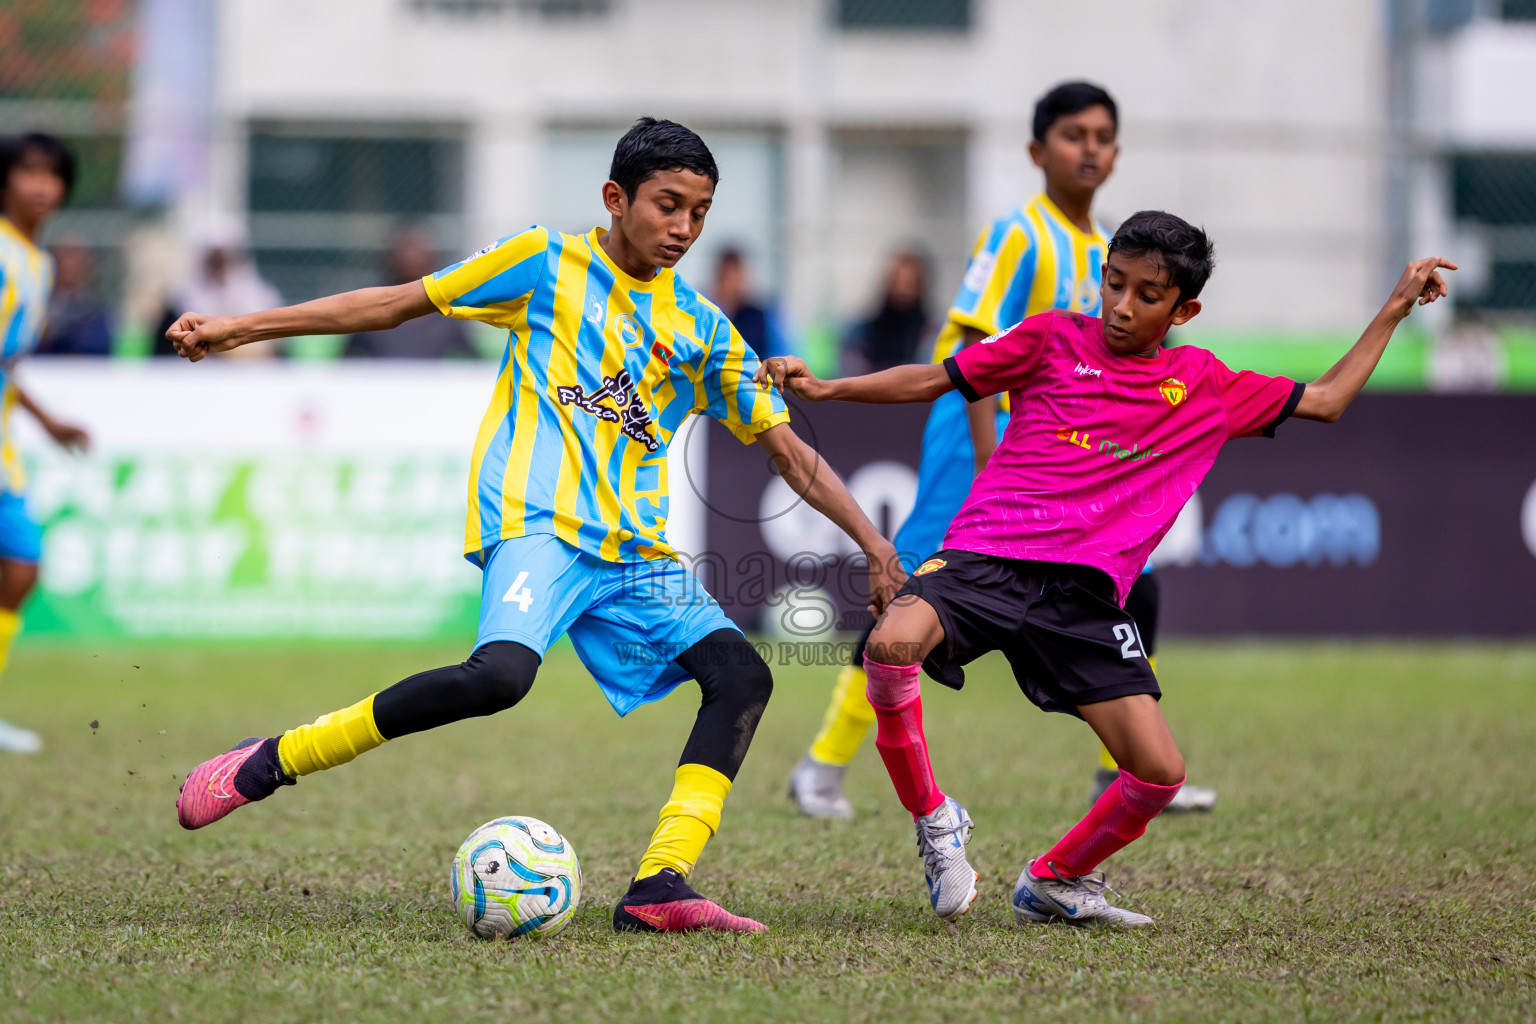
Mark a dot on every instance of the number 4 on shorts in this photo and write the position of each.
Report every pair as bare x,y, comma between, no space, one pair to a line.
523,597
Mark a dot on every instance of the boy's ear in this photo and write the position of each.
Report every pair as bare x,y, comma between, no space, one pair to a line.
615,199
1184,312
1037,152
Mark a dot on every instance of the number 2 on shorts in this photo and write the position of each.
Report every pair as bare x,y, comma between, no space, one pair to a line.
1126,632
523,597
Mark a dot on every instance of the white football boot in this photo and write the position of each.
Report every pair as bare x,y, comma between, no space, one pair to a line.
817,789
1192,798
1076,900
941,839
16,740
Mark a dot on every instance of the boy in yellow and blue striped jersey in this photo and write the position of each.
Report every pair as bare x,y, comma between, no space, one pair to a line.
608,353
1047,253
36,174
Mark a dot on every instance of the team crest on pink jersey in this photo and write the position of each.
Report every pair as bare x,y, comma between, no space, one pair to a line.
1174,390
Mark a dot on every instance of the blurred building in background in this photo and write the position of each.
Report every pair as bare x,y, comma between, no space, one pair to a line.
1319,142
236,153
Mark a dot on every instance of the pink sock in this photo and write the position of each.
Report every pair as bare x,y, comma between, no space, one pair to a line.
1117,819
896,695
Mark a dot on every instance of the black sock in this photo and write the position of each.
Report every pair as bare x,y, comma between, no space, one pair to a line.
262,772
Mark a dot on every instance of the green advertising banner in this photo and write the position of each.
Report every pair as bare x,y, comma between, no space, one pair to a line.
293,546
231,499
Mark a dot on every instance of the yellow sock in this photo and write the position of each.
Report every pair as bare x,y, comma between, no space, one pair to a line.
1105,760
848,718
330,740
10,625
687,820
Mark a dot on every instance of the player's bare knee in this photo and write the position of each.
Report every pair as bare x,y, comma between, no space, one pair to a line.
1162,769
890,647
16,582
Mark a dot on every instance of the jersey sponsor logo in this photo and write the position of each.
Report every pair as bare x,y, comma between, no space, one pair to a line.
628,330
627,409
1084,370
1174,391
595,312
1083,439
932,565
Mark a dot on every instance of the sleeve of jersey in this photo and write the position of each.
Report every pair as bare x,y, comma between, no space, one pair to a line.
1000,363
1256,404
493,285
730,396
988,278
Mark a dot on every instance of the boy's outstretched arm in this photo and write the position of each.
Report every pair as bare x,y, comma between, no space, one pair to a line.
917,382
366,309
812,479
66,434
1327,397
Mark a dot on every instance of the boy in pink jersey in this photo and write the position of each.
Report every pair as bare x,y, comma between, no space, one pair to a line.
1109,436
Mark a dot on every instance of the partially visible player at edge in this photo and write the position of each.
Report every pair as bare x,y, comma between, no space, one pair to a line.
608,353
1044,254
1109,436
37,173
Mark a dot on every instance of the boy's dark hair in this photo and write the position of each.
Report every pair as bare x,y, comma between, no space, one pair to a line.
14,148
652,146
1070,98
1176,245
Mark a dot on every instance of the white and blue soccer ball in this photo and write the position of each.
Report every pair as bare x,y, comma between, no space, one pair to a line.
516,876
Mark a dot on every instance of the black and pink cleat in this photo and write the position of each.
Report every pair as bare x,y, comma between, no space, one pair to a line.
665,902
245,774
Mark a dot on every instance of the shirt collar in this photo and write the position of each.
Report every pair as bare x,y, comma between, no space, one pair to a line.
594,242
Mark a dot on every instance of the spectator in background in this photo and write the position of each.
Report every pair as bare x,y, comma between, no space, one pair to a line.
732,292
411,257
899,327
226,283
78,323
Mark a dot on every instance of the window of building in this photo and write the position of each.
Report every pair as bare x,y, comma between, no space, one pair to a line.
552,9
1497,193
327,199
944,15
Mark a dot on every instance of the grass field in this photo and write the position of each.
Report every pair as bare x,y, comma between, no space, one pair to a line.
1371,856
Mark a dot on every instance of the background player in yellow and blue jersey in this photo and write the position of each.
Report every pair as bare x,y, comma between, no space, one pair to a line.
1046,254
36,174
608,352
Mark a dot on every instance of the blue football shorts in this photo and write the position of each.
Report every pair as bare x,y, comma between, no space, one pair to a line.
627,620
21,538
944,475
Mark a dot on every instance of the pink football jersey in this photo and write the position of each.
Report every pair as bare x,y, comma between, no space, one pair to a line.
1102,449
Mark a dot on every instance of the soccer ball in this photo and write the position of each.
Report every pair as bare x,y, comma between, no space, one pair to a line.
516,876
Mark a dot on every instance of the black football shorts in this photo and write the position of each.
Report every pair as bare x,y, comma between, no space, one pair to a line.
1058,625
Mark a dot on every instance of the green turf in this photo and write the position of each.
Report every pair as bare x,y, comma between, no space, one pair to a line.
1371,856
